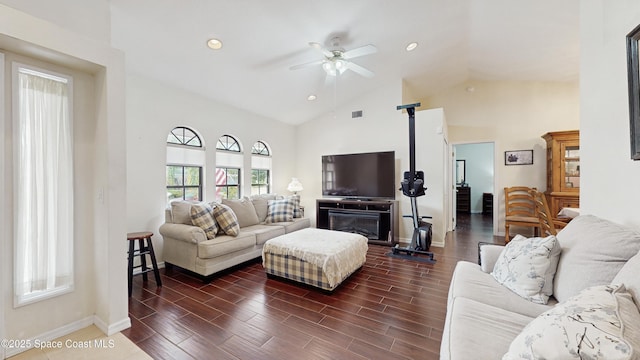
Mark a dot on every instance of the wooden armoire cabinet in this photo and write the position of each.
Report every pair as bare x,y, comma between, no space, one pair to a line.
563,169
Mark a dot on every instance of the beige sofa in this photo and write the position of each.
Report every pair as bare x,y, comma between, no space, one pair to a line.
187,246
486,320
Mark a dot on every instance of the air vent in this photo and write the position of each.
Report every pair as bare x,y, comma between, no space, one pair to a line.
356,114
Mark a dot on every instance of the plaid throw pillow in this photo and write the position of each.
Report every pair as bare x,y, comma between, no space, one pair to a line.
295,199
280,211
226,219
202,216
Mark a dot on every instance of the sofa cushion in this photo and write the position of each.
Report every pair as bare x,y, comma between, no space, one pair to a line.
202,217
264,232
280,210
226,219
526,267
295,225
628,276
225,244
244,210
593,252
469,281
260,202
601,322
181,212
475,330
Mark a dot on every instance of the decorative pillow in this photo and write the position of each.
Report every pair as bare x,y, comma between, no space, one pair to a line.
295,199
628,276
226,219
526,267
181,212
280,211
261,203
202,216
601,322
244,210
593,252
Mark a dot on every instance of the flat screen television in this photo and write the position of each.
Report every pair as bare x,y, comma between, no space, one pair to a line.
360,176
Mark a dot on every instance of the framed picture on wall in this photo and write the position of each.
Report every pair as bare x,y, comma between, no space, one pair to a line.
633,73
518,157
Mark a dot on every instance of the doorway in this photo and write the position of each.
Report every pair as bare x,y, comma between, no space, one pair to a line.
474,179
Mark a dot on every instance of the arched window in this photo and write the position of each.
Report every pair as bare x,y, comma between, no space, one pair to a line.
260,168
260,148
228,143
228,168
185,162
184,136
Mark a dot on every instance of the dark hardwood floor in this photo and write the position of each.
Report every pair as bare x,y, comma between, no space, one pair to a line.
389,309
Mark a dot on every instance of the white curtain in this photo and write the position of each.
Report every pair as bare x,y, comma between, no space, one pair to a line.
43,164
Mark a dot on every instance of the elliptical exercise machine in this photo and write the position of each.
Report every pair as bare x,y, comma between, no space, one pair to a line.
413,186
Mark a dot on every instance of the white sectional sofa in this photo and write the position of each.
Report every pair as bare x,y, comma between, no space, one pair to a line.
598,270
188,246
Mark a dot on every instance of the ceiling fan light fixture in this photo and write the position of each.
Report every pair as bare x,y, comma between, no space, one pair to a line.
311,97
330,68
334,67
214,44
412,46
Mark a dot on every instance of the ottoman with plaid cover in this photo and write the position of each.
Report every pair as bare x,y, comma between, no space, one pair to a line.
317,257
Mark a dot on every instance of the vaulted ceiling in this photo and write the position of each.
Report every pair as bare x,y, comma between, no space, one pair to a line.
457,40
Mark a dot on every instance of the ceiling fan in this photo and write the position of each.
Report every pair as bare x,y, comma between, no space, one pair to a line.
338,60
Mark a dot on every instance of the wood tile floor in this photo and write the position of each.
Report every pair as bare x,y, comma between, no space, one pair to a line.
389,309
88,343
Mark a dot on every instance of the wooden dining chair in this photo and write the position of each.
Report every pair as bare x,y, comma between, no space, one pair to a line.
519,210
548,224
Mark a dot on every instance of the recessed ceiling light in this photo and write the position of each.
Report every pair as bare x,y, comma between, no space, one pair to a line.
412,46
311,97
214,44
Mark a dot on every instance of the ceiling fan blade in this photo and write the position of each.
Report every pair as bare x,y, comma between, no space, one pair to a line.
319,47
361,51
360,70
306,65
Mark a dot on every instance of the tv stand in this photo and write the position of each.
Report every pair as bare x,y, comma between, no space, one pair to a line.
375,219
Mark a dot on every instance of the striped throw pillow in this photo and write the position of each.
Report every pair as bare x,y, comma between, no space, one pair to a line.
202,216
226,219
280,211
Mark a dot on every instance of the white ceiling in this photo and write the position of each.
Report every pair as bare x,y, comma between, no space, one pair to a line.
458,40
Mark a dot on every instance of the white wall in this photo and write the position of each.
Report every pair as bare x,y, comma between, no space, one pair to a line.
89,18
608,175
100,295
479,170
514,115
153,110
382,128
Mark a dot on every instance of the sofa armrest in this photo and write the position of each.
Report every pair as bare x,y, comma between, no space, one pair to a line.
186,233
488,255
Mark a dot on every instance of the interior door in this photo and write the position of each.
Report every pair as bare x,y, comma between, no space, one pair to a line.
452,186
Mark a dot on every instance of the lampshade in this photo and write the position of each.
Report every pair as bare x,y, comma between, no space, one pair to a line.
295,185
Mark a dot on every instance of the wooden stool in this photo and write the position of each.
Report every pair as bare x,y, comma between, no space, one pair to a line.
142,251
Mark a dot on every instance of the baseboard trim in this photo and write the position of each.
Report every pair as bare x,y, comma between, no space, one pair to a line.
54,334
113,328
